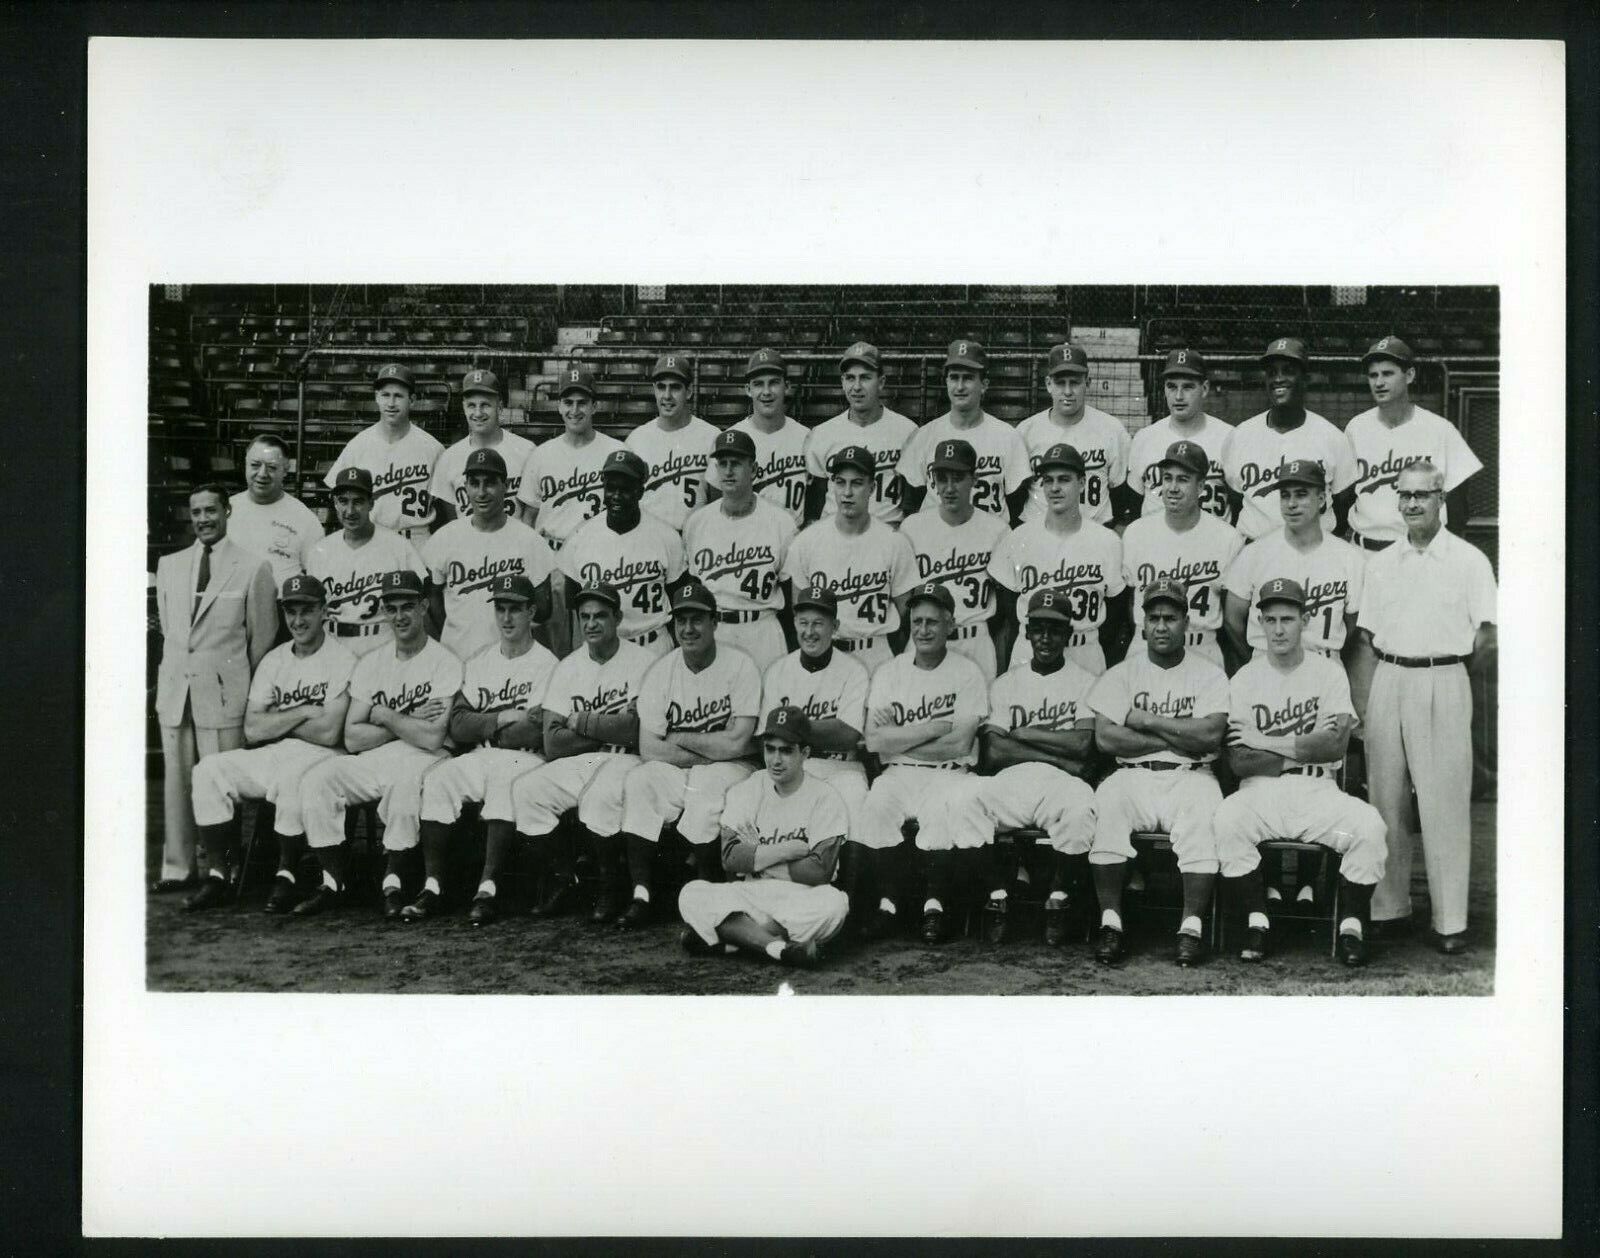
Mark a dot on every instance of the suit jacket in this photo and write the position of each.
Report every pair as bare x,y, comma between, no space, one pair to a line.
207,662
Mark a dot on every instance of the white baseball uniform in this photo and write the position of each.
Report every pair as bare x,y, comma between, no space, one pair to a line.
958,555
835,692
465,560
780,464
1002,459
1381,453
1103,441
562,481
640,563
390,773
677,459
1253,453
740,560
449,483
1199,557
1150,445
1087,564
283,682
351,576
1330,573
401,472
885,437
280,532
866,571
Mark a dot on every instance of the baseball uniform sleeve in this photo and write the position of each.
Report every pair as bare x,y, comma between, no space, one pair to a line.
787,531
902,567
746,688
997,715
1342,463
1002,567
739,805
1235,548
880,691
1239,697
1015,465
568,557
1213,696
675,557
1121,452
339,464
448,673
1459,460
266,676
339,675
796,560
364,680
1116,582
439,486
541,559
972,698
1230,465
528,490
435,558
828,822
1110,696
853,700
1355,579
912,463
653,698
816,456
1335,697
1240,579
414,560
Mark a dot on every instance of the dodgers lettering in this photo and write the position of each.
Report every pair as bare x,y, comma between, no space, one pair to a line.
706,716
303,695
1172,705
933,708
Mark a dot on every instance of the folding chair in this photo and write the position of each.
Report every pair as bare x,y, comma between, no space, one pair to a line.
1277,855
1153,855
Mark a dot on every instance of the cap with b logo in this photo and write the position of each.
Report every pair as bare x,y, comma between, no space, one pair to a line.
954,456
689,593
1049,604
1188,455
1185,362
1166,590
357,478
966,354
1290,347
513,586
933,592
485,460
600,591
402,583
625,463
858,457
1061,455
765,362
1391,347
733,442
818,596
479,380
302,588
1067,357
863,352
1281,590
1302,472
788,723
676,366
397,372
575,379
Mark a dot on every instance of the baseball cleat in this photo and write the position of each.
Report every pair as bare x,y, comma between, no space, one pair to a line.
558,899
210,896
994,922
1110,946
1256,945
689,940
324,897
801,956
1055,922
425,905
636,914
1451,945
483,910
283,898
881,925
933,926
393,905
1190,950
605,907
1352,950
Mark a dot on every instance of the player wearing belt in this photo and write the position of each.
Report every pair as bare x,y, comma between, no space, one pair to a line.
923,712
352,562
736,546
633,552
1163,713
1100,438
295,717
1187,387
561,479
400,458
266,521
697,714
780,441
674,445
466,555
1036,744
1429,610
953,546
1002,477
1286,430
780,837
1288,721
498,718
480,403
1186,545
394,732
867,422
867,564
591,742
1063,551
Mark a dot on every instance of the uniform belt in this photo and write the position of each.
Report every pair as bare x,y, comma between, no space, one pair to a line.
741,618
645,639
554,543
1199,637
343,630
1372,543
411,531
1160,766
1077,639
1305,770
1420,661
968,631
856,644
834,755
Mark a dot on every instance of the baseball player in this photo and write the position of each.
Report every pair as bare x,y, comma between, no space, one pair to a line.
1100,438
1163,713
1428,606
780,837
466,555
591,742
1187,385
400,457
1002,478
1286,430
1037,743
1065,552
675,446
295,716
923,712
266,521
867,564
394,732
954,545
352,562
867,422
1186,545
780,441
736,546
635,553
480,403
498,714
1288,721
561,477
697,715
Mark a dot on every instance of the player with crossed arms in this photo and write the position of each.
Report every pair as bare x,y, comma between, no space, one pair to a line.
779,440
867,422
1185,380
400,458
1100,438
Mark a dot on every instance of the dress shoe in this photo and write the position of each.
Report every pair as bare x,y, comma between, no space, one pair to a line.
994,922
605,906
1257,944
635,915
324,897
483,910
558,897
393,905
1109,946
1352,951
214,893
933,926
689,940
1451,945
283,898
166,886
881,925
1190,950
425,905
805,956
1055,922
1393,929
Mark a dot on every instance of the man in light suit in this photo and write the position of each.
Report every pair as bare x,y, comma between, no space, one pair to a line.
218,619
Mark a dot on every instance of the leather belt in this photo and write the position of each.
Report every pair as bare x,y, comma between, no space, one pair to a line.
1199,637
857,644
1371,543
413,530
343,630
741,618
1305,770
1421,661
645,639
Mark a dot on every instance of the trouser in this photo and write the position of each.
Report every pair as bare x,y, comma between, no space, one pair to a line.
1307,809
656,641
591,782
181,746
1419,733
1363,664
761,639
656,793
272,773
482,776
1180,802
929,795
805,914
391,774
870,653
1029,795
849,779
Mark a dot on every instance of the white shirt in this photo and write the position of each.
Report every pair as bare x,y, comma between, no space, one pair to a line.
1428,602
465,560
812,813
1331,574
958,556
866,571
563,481
641,563
1265,702
352,574
1022,698
780,464
1087,564
1253,453
280,532
1103,441
954,691
739,558
285,681
1002,459
1192,688
837,692
1150,446
885,437
677,700
1199,557
401,473
677,460
449,483
1382,452
581,683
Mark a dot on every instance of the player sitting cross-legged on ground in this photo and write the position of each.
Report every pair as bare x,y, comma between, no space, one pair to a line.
1288,724
497,716
781,833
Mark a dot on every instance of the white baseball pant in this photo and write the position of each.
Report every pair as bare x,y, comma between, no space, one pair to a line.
1307,809
1180,802
871,655
360,644
904,791
182,747
656,793
271,773
391,774
483,775
805,914
849,779
591,782
1041,795
656,641
761,639
1084,650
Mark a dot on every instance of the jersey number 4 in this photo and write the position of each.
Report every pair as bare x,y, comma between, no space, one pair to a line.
758,585
647,598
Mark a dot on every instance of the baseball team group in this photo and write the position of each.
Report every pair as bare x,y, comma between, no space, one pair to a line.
794,646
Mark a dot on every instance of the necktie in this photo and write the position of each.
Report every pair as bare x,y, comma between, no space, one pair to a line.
205,579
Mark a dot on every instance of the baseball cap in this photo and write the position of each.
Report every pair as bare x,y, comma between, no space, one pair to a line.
394,371
763,362
602,590
1302,472
1187,455
1281,590
818,596
1061,455
480,380
575,379
790,723
863,352
955,456
302,588
512,585
485,460
1290,347
1067,357
353,478
966,354
676,365
858,457
1166,590
1185,362
733,441
933,592
1049,604
402,583
690,592
625,463
1389,347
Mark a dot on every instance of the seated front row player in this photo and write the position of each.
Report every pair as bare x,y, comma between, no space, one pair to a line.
781,833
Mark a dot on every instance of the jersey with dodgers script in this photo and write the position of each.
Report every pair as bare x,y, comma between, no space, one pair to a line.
285,681
562,482
449,482
954,691
739,558
1103,441
1253,453
1191,689
1087,564
677,700
677,459
1199,557
812,813
352,574
405,685
401,472
582,683
780,464
1024,699
641,563
280,532
1382,452
465,560
958,555
1150,446
885,437
836,692
493,681
1266,702
866,571
1002,459
1331,573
